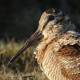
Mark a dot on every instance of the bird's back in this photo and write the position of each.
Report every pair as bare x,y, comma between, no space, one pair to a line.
59,58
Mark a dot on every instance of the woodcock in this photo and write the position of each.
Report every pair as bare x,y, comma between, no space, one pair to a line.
58,48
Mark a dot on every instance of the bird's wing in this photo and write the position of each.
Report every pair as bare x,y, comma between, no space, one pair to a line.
70,56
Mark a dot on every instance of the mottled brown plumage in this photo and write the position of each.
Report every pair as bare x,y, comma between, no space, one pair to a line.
58,51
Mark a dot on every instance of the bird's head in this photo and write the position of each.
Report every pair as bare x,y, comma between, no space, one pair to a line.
52,23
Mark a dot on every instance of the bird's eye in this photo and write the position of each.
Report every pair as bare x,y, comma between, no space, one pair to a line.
51,17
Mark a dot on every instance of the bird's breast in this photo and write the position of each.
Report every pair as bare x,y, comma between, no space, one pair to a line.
47,60
52,53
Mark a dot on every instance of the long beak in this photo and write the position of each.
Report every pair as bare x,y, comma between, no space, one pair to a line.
35,37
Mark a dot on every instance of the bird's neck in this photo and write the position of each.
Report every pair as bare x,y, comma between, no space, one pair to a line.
41,48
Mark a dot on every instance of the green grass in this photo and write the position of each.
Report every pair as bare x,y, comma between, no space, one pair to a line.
24,68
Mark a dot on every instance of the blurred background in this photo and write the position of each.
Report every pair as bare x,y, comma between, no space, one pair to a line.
19,18
18,21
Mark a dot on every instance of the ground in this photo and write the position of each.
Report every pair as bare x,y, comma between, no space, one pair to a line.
24,68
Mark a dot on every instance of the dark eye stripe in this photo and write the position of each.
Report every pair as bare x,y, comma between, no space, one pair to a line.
57,19
49,18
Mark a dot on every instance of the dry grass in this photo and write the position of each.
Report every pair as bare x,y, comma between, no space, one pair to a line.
24,68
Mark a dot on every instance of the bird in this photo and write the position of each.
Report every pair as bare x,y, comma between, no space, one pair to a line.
58,48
